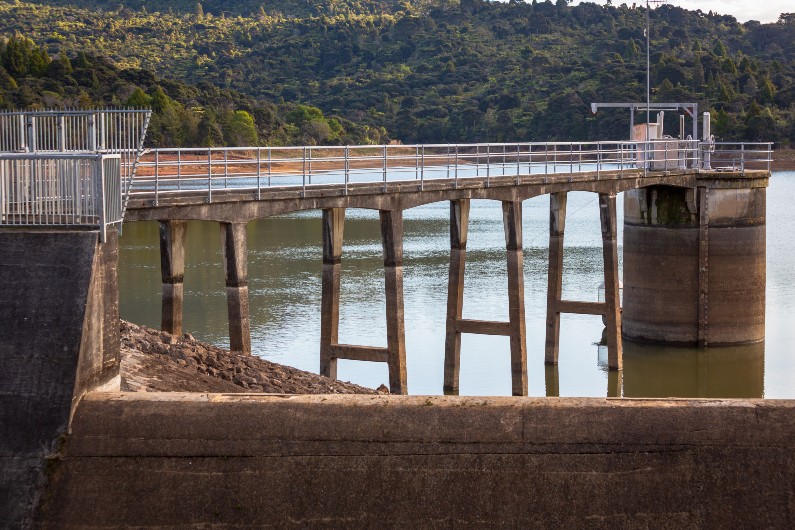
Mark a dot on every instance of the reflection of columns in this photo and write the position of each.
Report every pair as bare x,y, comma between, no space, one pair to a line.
459,221
607,216
392,241
172,270
512,219
333,224
557,226
234,251
552,380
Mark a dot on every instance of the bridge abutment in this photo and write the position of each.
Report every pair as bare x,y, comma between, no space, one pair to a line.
694,262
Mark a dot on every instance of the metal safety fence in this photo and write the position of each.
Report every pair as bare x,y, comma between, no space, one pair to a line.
114,131
66,190
168,172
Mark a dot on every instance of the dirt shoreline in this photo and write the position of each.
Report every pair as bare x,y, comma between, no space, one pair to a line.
154,361
783,160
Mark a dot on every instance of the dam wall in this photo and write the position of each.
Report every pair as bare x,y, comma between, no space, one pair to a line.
59,338
222,460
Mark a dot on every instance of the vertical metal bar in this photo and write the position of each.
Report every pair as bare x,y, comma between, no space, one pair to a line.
259,173
157,177
455,183
226,168
209,175
269,166
347,167
422,170
416,162
518,158
742,158
488,164
309,162
179,169
303,175
384,168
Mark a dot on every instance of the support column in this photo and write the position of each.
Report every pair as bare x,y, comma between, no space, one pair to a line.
234,251
459,222
551,380
512,219
172,270
607,216
333,225
392,241
557,226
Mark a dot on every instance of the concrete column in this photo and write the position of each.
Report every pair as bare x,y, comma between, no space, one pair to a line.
557,226
333,225
172,270
459,222
234,250
512,219
392,241
607,216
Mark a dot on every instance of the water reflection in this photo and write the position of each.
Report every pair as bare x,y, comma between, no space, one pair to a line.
716,372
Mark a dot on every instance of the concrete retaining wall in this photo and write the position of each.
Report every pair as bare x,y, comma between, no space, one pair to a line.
59,338
219,460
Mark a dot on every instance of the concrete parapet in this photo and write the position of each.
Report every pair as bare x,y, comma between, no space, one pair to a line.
59,338
216,460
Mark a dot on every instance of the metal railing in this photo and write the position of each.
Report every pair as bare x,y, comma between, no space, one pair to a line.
736,156
115,131
65,190
204,172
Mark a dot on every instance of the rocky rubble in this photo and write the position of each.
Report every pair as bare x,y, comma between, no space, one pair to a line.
155,361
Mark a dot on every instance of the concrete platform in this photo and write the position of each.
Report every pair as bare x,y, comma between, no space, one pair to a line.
223,460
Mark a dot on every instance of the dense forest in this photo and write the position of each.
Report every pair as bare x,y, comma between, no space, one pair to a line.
358,71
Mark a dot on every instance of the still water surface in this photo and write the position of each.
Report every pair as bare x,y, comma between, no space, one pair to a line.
284,288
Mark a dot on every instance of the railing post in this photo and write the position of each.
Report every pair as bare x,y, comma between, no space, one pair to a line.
157,177
422,170
742,158
384,168
303,175
269,166
347,167
259,173
455,181
488,164
179,169
518,162
209,175
99,172
31,134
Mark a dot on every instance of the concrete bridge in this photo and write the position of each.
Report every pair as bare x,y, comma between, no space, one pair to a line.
668,194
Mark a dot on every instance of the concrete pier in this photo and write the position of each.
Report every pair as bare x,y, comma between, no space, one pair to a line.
172,270
331,350
234,250
514,329
392,242
333,228
610,309
694,262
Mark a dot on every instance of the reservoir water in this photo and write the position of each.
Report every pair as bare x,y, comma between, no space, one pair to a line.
284,264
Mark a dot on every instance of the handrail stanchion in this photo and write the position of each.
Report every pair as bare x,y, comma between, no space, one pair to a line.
742,158
259,173
488,164
179,169
518,162
269,167
347,167
209,175
455,181
303,175
157,177
384,169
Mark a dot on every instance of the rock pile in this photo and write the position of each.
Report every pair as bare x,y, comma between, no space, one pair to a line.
155,361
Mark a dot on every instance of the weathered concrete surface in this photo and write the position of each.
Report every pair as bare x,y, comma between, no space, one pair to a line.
219,461
59,338
694,264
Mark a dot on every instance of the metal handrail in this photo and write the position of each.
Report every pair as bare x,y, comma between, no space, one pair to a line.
60,189
205,171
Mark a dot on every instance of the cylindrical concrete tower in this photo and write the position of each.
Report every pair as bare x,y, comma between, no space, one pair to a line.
694,263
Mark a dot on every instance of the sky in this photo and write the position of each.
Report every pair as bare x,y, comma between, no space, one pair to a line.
742,10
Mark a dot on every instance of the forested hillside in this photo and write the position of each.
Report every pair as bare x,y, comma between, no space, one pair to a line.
438,70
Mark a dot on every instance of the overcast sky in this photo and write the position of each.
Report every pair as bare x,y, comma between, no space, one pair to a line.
743,10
